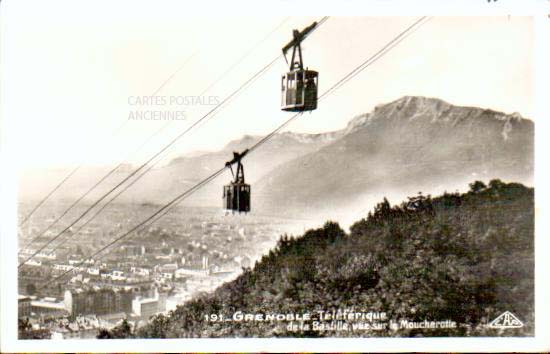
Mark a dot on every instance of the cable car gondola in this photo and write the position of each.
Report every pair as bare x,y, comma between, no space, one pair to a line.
299,85
236,195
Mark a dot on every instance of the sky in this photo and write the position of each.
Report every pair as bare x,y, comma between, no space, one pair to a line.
72,77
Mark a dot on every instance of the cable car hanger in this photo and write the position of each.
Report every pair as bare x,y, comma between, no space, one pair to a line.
295,44
239,177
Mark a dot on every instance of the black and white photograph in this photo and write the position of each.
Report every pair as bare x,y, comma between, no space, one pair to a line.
171,176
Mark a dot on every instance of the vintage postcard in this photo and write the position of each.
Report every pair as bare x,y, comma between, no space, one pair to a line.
352,178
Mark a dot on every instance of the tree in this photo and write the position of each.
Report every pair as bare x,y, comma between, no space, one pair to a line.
104,334
477,186
24,325
425,259
159,325
26,331
496,184
382,210
122,331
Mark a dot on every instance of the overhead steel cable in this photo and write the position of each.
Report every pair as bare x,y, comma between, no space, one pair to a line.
43,200
247,53
91,189
396,40
381,52
165,209
62,182
115,132
102,179
167,124
143,223
142,166
119,193
373,58
251,49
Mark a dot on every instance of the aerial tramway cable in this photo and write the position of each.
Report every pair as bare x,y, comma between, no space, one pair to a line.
142,166
390,45
66,178
164,209
102,179
45,198
151,166
246,83
251,49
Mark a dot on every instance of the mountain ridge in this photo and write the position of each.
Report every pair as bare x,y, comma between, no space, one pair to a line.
389,149
393,147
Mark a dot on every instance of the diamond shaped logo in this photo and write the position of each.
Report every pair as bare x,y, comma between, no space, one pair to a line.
506,320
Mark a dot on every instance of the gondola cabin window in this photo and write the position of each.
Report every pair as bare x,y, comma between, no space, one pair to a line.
299,86
236,194
299,91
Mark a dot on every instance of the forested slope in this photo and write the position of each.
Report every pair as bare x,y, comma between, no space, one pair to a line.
465,258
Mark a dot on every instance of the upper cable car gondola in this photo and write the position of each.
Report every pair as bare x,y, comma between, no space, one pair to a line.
236,195
299,85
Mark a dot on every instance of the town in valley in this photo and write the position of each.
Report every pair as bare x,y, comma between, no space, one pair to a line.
68,294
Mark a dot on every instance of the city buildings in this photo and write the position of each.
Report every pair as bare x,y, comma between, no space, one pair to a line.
157,270
98,301
49,307
147,307
24,306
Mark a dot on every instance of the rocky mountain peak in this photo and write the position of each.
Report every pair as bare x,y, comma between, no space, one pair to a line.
431,110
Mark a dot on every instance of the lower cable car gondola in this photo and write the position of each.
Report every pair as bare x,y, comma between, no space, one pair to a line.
299,85
236,195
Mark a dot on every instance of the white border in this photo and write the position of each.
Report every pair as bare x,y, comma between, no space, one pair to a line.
541,342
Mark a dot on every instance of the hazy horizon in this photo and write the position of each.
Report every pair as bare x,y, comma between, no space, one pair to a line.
194,153
66,91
